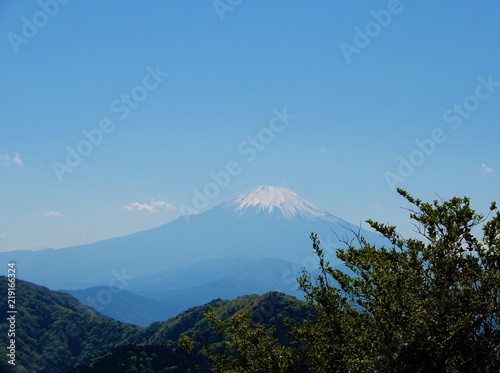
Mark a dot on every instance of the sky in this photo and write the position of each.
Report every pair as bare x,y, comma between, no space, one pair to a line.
117,116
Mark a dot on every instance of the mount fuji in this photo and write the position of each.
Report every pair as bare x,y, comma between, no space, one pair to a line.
266,222
279,202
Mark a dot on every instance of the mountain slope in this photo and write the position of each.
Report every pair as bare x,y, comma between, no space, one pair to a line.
126,306
160,352
266,223
164,295
56,332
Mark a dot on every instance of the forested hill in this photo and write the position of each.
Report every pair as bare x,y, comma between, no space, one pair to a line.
56,333
163,351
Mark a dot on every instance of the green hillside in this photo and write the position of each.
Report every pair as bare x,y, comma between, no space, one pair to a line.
161,351
56,333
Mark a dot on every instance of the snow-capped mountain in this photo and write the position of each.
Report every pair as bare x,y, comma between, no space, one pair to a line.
266,222
279,201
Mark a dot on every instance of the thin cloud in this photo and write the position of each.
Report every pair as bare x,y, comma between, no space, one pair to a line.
10,160
53,214
485,169
322,151
153,206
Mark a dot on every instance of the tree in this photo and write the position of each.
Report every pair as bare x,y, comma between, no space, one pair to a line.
428,305
414,305
249,348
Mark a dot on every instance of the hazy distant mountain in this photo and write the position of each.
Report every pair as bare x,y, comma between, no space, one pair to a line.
164,295
225,278
126,306
267,222
264,274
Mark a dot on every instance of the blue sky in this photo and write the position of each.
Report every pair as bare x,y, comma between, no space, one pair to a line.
360,83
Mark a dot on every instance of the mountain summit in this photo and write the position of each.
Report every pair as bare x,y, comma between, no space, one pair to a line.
266,222
276,200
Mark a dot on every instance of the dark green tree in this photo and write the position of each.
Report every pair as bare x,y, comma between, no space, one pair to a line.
430,304
418,305
249,348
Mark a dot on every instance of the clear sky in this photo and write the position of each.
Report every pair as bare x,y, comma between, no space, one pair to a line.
333,94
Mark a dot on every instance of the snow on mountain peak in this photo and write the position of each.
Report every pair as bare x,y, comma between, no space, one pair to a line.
277,199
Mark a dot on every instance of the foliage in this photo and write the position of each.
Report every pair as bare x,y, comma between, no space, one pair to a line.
139,359
429,305
249,348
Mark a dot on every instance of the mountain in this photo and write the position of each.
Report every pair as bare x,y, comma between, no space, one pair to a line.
164,295
55,332
219,278
127,306
159,350
267,222
263,272
280,202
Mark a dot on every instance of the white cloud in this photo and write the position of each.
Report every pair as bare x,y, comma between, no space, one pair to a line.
322,151
153,206
9,160
486,169
53,214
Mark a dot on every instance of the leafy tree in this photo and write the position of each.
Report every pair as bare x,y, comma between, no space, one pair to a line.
249,348
414,305
429,305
